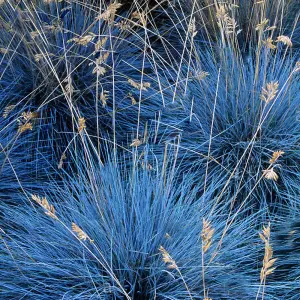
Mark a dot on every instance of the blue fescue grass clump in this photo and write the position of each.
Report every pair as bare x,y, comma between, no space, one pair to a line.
200,104
285,239
46,62
126,214
228,133
26,155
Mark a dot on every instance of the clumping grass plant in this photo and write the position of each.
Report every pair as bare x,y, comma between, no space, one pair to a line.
149,149
117,233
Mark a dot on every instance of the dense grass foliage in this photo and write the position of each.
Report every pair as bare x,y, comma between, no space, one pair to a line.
128,214
149,149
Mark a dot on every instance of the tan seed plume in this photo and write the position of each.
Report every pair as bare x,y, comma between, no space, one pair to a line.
270,174
275,156
167,259
269,92
49,209
24,127
81,124
139,86
206,235
268,261
80,233
285,40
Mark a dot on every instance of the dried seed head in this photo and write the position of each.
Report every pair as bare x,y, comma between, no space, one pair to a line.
268,260
262,25
69,86
123,25
100,44
269,92
192,28
3,50
109,14
80,233
24,127
136,143
167,259
225,22
99,70
103,97
275,156
139,86
49,209
206,235
270,174
269,44
297,66
285,40
133,101
202,75
81,124
7,110
167,236
140,16
61,161
83,40
221,12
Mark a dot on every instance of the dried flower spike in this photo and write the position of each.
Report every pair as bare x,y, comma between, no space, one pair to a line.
103,97
297,66
109,14
268,260
167,259
7,110
24,127
61,161
202,75
285,40
83,40
269,44
206,235
139,86
136,143
262,25
275,156
81,124
100,44
133,101
3,50
270,174
192,28
269,92
80,233
49,209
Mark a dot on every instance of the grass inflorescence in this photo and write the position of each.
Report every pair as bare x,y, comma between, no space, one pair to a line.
149,149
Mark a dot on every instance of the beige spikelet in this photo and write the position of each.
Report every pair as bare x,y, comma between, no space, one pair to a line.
103,97
269,92
270,174
167,259
24,127
206,235
275,156
268,261
285,40
81,124
7,110
109,14
139,86
136,143
80,233
49,209
269,44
